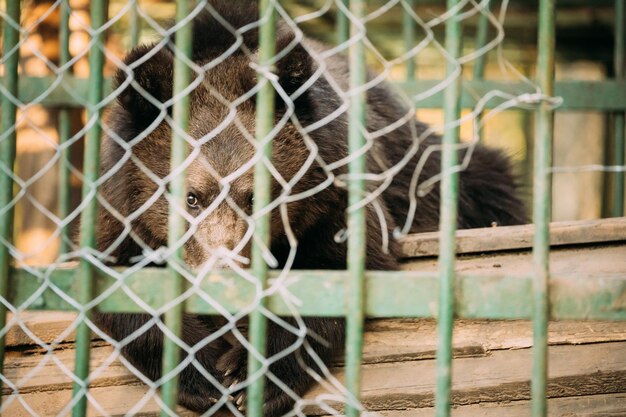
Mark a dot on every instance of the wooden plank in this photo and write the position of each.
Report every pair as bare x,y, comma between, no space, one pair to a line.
399,357
113,401
46,387
413,339
501,376
592,261
389,340
518,237
116,401
606,405
51,372
48,327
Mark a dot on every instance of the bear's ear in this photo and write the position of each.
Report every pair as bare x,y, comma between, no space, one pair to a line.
153,71
295,68
211,37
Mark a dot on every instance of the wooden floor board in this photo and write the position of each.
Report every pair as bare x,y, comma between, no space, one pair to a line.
492,366
606,260
604,405
499,376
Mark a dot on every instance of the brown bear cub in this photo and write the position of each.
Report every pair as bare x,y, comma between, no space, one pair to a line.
309,153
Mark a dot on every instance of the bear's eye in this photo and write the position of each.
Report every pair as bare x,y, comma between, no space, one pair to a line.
192,200
250,200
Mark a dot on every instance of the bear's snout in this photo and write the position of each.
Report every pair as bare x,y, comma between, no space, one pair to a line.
220,239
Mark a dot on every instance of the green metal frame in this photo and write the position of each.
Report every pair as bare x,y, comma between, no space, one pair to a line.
65,126
91,173
135,24
177,223
356,217
542,207
355,293
325,293
577,95
448,216
619,136
408,33
7,156
262,198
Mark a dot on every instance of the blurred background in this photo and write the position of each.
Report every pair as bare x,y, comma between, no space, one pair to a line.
585,51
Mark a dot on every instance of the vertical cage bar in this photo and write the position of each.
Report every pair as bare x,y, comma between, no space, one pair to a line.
176,222
408,34
544,125
448,219
356,218
135,28
262,198
91,171
11,38
482,30
617,208
65,124
343,27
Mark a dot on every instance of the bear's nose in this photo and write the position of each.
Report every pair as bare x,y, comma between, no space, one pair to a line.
225,258
224,263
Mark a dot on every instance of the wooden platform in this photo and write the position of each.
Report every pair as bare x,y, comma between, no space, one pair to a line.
491,370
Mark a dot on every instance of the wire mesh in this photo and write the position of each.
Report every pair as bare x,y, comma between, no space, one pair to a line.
245,93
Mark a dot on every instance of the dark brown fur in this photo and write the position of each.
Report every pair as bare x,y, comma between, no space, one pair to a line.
487,191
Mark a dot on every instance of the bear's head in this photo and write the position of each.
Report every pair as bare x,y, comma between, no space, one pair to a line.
221,141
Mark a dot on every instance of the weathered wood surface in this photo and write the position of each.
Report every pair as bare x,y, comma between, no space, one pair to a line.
499,376
607,405
46,326
492,367
518,237
112,400
607,260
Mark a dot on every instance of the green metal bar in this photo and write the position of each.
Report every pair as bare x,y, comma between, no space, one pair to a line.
542,205
91,171
577,95
135,26
176,223
448,220
7,156
408,32
482,30
65,124
324,293
617,209
262,198
356,218
343,25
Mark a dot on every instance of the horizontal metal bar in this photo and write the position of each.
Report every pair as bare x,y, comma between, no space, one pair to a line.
69,91
388,294
577,95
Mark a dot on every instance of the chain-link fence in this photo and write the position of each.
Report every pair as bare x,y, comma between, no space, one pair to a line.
239,178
